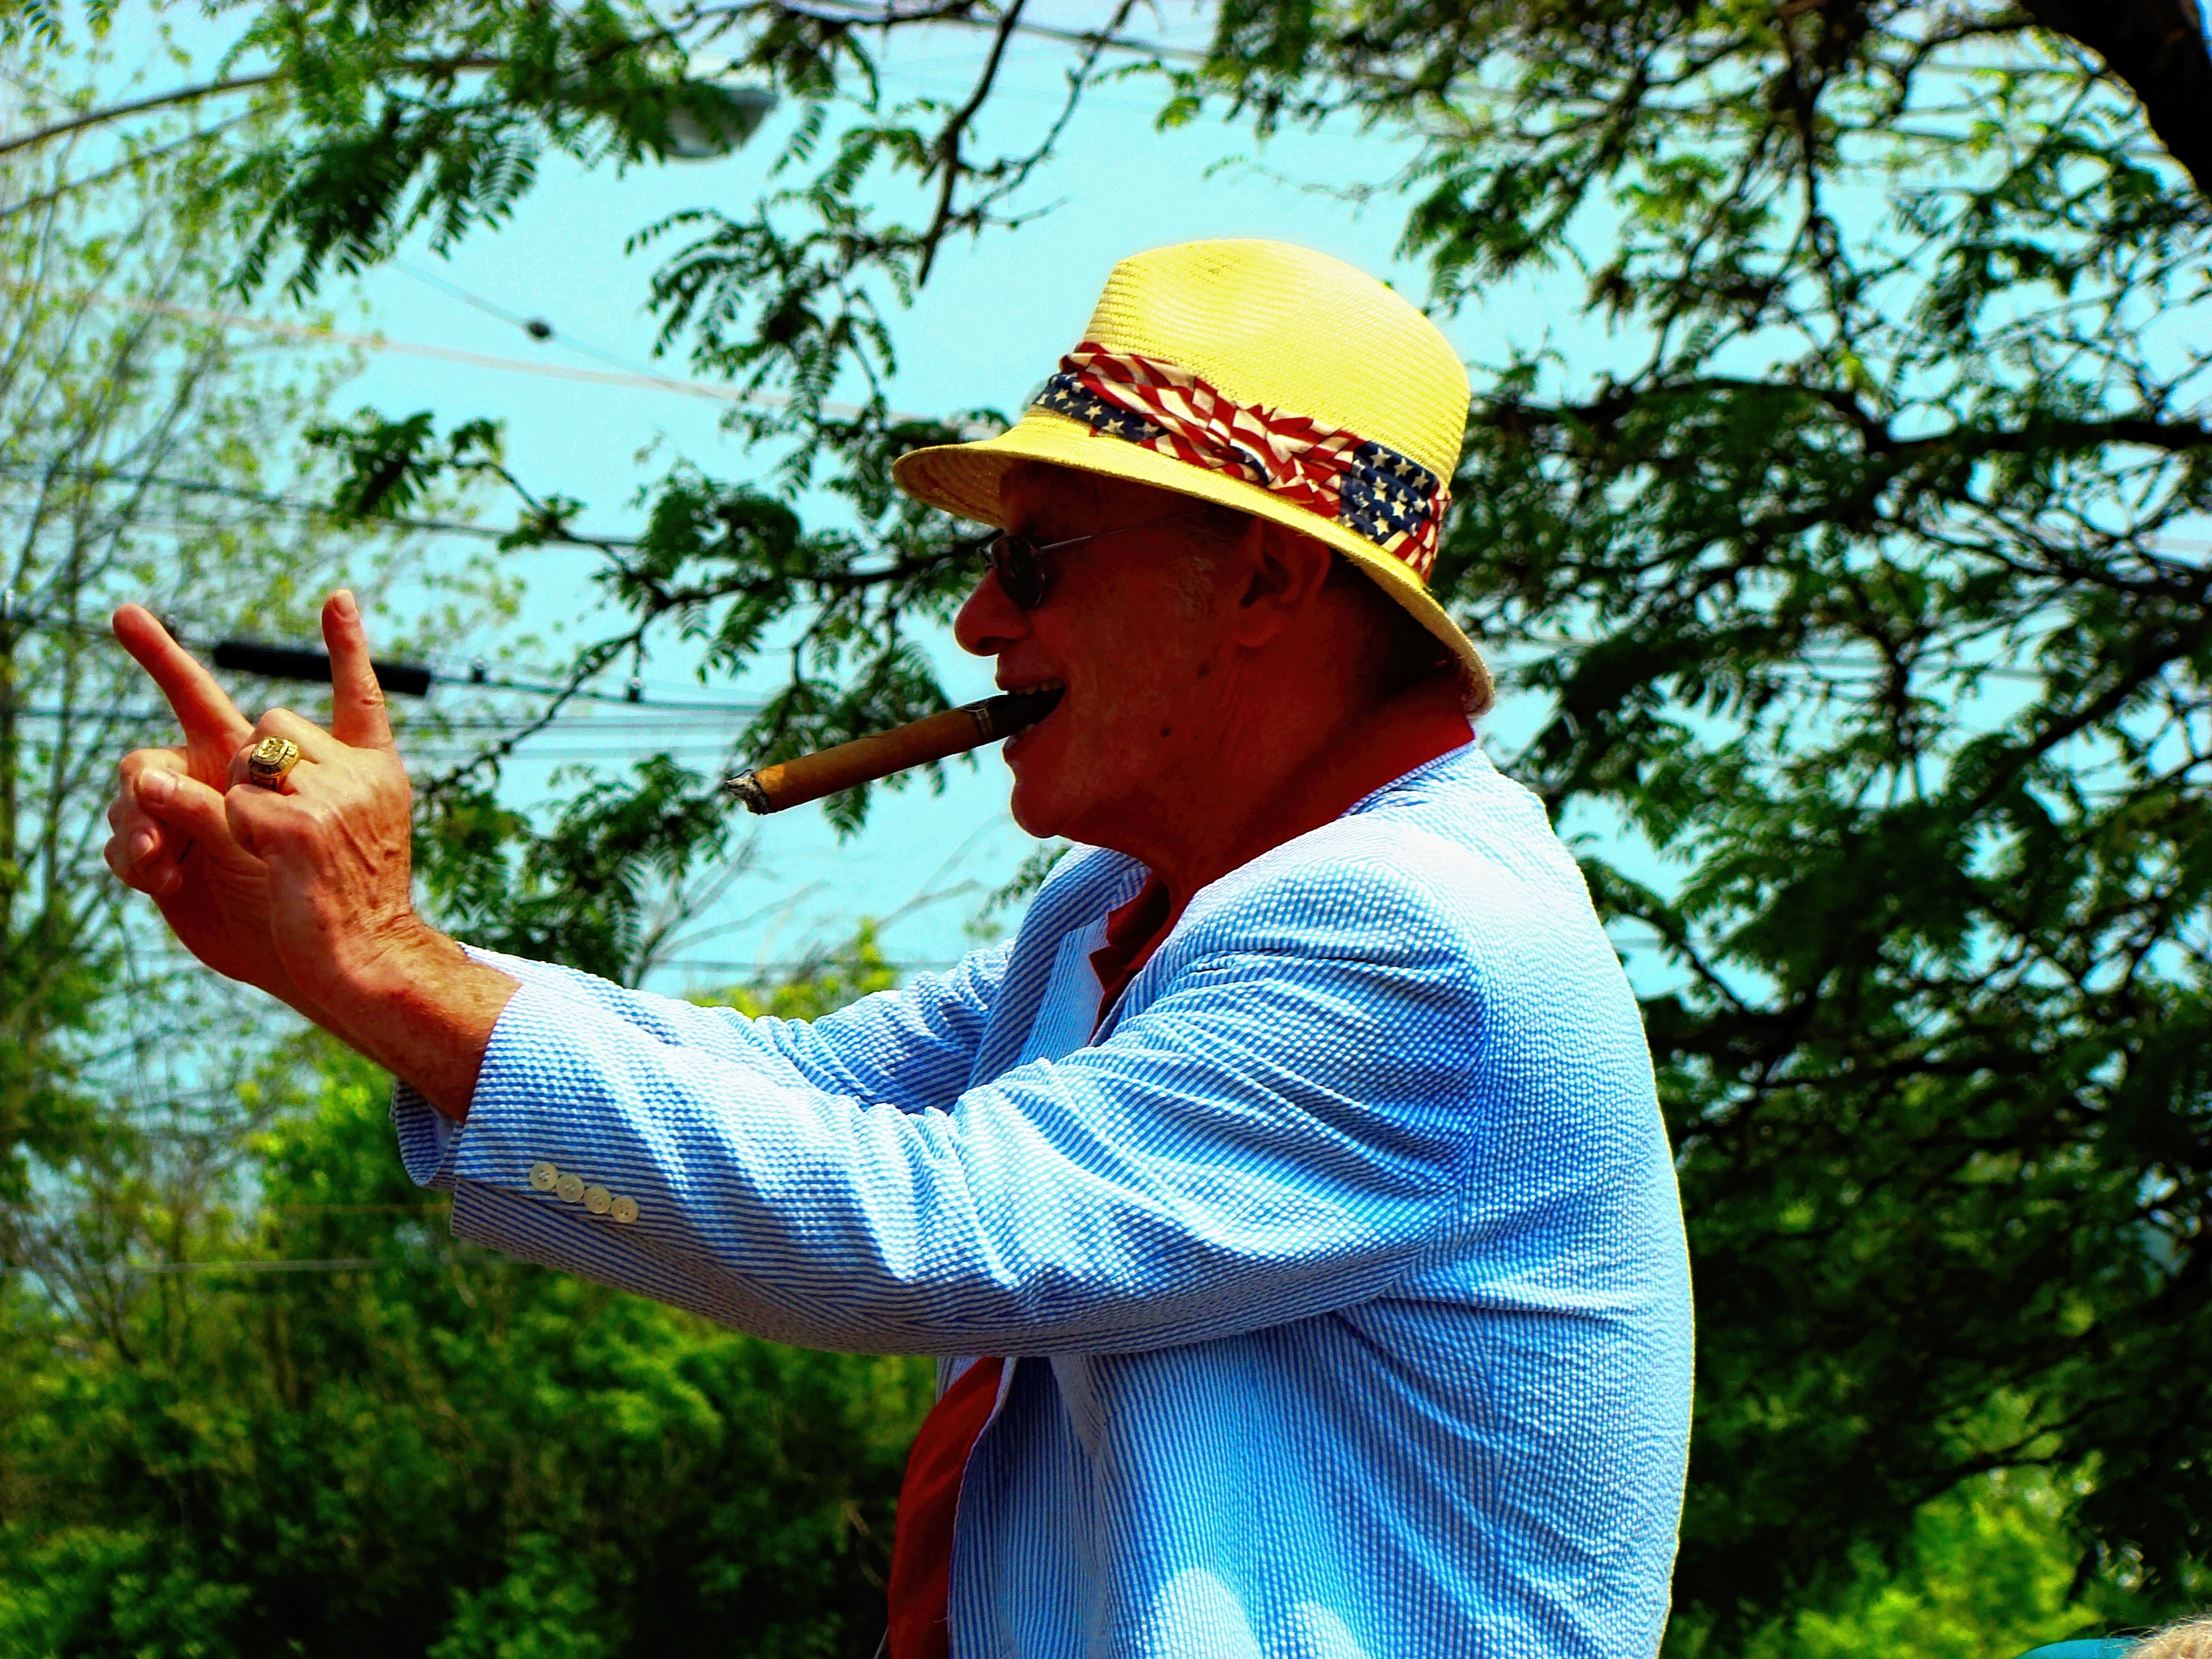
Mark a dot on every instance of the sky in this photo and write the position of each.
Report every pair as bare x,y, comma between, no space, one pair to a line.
992,319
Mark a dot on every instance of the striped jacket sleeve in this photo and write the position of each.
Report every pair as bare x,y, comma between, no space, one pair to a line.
913,1048
1280,1129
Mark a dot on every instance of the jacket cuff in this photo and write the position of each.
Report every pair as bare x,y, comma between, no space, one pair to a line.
429,1139
537,1128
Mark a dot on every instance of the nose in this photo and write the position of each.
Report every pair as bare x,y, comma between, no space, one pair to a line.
988,621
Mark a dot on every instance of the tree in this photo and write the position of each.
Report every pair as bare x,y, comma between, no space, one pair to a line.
143,456
137,459
1852,551
1855,574
327,1428
246,1398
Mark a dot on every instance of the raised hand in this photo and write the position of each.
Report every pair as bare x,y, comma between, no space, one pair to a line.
172,836
304,890
336,838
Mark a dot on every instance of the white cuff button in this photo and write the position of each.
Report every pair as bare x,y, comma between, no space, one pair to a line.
569,1188
623,1210
597,1200
543,1175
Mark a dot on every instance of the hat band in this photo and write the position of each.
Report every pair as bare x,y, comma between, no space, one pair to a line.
1389,499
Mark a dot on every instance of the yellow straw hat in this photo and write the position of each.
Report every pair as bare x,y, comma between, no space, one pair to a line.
1264,377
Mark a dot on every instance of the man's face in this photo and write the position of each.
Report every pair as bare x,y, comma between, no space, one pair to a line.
1127,626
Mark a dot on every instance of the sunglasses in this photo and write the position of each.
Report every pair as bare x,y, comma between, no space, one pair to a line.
1018,560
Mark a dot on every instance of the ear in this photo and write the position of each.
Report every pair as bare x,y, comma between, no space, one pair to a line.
1284,573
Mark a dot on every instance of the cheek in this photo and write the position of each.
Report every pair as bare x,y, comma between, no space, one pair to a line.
1135,698
1151,657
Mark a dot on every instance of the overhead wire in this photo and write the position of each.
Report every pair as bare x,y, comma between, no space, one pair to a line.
317,334
475,677
320,334
428,728
829,11
281,1265
285,503
540,329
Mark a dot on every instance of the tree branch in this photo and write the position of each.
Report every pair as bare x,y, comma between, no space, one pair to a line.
137,106
2158,47
183,95
948,142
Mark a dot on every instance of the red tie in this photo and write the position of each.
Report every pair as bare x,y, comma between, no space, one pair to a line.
921,1544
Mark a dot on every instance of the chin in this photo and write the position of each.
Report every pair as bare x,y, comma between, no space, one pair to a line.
1033,807
1049,796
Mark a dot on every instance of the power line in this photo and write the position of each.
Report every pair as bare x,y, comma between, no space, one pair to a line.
538,328
411,679
285,503
317,334
886,17
429,728
335,1265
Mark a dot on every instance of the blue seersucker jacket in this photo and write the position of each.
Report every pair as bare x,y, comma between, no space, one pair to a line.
1344,1261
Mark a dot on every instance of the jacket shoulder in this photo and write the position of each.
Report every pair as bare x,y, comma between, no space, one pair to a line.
1453,856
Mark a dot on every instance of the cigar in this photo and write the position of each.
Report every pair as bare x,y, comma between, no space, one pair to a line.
955,732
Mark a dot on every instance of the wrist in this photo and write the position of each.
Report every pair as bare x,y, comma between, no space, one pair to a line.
398,960
423,1008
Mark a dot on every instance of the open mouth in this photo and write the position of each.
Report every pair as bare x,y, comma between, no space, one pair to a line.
1020,713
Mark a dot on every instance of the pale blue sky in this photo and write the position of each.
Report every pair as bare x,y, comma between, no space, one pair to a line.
991,323
993,320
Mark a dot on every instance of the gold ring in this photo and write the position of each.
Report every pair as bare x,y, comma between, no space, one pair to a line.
269,760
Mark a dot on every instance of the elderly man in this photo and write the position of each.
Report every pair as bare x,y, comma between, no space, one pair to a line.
1295,1172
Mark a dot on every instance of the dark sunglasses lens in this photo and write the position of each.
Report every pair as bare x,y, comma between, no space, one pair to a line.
1021,574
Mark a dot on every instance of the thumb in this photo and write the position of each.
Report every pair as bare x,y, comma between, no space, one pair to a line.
181,802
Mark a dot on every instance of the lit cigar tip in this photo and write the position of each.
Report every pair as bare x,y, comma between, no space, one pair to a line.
746,787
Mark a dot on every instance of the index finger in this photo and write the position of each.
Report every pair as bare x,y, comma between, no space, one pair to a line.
358,716
201,707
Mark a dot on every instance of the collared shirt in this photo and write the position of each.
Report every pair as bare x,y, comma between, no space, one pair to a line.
1342,1264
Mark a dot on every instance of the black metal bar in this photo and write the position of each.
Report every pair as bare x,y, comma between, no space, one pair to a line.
286,662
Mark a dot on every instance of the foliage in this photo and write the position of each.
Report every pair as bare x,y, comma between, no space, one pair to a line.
360,1439
601,887
1852,575
1845,553
1986,1571
381,120
820,986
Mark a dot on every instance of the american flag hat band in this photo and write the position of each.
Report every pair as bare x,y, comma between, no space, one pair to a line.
1387,498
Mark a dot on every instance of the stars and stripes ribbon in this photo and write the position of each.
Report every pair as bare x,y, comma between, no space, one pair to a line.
1390,498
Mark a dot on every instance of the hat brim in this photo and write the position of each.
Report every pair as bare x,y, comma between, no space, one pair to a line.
968,480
